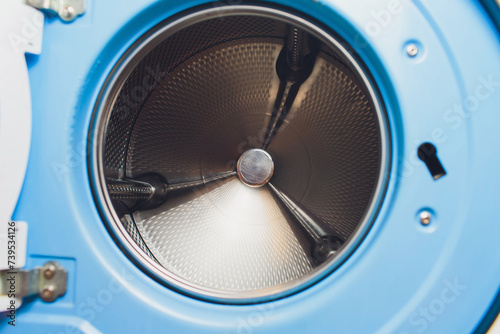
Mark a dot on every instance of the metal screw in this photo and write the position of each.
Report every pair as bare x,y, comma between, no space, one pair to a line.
49,272
48,292
412,50
425,217
68,13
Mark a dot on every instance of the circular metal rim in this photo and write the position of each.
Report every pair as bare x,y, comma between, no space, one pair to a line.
242,177
102,108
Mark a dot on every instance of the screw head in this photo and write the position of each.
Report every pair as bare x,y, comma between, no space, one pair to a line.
412,50
425,217
48,293
49,272
68,13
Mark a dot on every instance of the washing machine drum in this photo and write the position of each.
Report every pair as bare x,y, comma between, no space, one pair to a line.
239,157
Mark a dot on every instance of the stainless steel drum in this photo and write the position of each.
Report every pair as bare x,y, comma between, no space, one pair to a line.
241,153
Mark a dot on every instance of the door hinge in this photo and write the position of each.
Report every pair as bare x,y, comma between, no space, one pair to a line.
48,282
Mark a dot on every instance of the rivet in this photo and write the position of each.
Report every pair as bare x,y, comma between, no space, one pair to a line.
48,292
49,272
412,50
425,217
68,13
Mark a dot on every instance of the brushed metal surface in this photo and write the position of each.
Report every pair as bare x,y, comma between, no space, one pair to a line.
204,110
226,236
327,155
213,88
162,59
255,167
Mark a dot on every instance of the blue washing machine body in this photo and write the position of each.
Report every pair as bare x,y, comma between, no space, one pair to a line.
404,277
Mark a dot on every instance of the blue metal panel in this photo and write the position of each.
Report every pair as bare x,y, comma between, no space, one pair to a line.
404,278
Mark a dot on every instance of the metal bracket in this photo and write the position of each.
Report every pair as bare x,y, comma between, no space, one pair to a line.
67,10
49,282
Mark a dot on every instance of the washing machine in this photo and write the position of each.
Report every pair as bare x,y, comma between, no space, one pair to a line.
307,166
